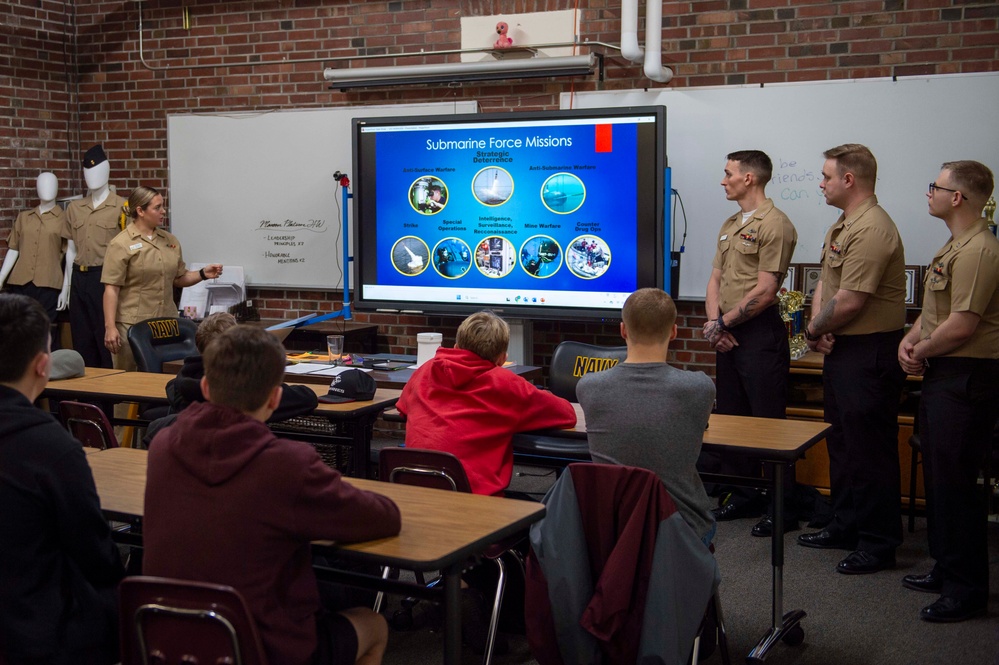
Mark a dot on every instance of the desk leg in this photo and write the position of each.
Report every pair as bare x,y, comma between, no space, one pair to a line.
782,627
452,615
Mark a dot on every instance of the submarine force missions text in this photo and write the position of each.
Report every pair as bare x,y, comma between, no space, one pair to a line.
494,143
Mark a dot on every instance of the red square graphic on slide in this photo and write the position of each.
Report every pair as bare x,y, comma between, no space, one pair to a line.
604,138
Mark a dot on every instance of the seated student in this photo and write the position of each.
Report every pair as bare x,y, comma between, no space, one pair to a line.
59,570
645,413
464,402
185,389
228,502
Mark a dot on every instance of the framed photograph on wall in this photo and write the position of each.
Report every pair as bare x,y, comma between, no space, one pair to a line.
810,275
791,279
913,286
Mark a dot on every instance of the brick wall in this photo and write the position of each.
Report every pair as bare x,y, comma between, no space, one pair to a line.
38,117
76,79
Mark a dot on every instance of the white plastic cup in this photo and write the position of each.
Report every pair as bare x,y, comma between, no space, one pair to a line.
426,346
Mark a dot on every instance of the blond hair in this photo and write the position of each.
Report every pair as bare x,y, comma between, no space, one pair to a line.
484,334
140,198
211,327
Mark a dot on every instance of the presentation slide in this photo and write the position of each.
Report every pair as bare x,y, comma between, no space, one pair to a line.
541,212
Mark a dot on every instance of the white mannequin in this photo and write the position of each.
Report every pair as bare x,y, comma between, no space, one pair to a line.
97,177
47,187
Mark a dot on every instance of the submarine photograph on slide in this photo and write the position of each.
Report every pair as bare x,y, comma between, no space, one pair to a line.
544,214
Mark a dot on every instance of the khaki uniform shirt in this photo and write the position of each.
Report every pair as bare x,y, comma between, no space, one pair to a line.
964,277
863,252
764,243
91,229
145,270
38,238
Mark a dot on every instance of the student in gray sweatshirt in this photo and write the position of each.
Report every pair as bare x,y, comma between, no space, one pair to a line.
645,413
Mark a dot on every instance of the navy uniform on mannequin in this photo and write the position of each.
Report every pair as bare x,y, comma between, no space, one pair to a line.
91,223
33,264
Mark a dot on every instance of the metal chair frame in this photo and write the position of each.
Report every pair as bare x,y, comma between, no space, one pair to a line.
156,608
445,471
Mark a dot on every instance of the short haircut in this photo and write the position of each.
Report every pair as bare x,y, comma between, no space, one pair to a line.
24,333
973,179
211,327
649,315
756,162
856,159
243,365
484,334
140,198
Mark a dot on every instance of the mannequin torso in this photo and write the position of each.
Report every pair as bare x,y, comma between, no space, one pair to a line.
35,247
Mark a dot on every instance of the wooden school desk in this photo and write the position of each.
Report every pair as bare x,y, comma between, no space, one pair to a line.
395,379
150,387
436,534
777,443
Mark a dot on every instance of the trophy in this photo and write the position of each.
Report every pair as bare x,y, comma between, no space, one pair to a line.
793,314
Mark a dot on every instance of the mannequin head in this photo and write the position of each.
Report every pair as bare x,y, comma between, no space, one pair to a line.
97,176
48,187
96,168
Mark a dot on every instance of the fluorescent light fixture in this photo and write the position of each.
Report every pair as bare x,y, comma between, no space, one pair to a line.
488,70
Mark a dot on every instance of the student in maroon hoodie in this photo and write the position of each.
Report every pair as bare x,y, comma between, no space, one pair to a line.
463,401
230,503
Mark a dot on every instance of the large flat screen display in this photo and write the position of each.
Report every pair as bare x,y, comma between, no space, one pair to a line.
546,214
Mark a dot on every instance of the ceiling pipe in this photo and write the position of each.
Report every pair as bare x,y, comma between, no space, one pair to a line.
654,43
653,66
629,31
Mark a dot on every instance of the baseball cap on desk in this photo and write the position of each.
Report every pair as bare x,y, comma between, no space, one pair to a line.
350,386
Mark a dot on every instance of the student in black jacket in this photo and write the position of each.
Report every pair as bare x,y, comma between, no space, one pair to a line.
59,569
186,388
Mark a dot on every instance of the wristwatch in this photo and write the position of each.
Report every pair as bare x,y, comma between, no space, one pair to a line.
201,271
810,337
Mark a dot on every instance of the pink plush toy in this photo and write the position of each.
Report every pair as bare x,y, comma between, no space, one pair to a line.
502,41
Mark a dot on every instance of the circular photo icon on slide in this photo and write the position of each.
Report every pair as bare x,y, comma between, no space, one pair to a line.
588,257
428,195
492,186
540,256
495,257
410,255
452,258
563,193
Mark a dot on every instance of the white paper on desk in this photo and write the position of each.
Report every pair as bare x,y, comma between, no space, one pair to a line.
306,368
334,370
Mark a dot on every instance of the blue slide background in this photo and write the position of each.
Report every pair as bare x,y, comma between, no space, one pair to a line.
610,202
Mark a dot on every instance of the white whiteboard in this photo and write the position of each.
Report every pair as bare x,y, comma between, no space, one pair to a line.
257,189
912,125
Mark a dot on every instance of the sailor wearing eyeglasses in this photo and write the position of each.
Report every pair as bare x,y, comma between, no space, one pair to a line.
858,312
954,344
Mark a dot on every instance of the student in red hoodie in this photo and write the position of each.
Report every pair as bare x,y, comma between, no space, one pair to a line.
228,502
463,401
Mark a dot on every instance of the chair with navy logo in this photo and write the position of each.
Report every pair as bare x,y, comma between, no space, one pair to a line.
157,341
570,362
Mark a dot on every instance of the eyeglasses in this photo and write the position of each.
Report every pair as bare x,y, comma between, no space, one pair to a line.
934,186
